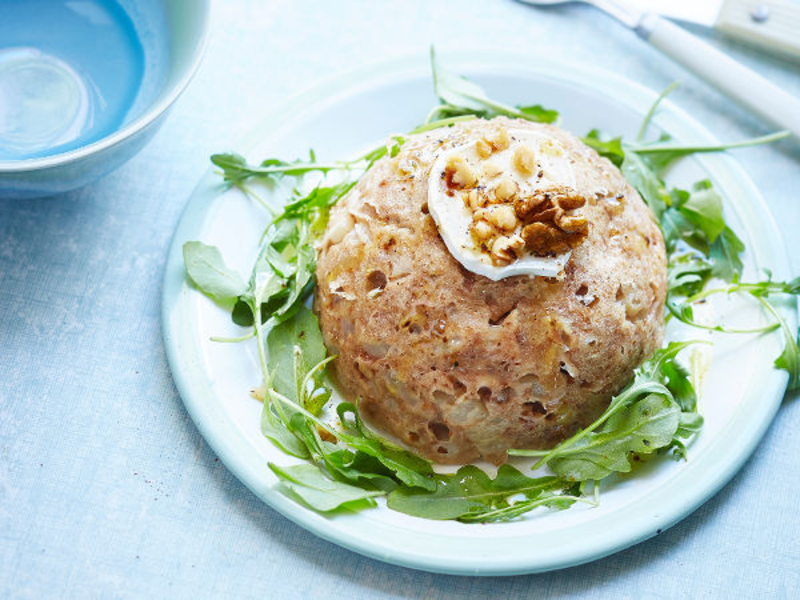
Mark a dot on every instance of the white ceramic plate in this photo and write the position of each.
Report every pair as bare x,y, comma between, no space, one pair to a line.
357,111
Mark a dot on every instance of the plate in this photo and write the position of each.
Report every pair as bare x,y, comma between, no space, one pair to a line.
357,111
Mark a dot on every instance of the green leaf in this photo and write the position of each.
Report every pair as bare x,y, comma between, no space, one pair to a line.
469,491
725,255
653,108
236,170
677,227
611,149
321,198
460,96
539,113
647,182
687,274
360,469
409,468
647,425
320,492
789,360
275,431
207,270
295,348
660,155
677,379
690,424
704,209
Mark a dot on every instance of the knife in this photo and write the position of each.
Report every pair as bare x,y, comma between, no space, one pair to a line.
772,25
752,91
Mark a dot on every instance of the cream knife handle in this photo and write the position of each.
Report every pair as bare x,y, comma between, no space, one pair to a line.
746,87
773,25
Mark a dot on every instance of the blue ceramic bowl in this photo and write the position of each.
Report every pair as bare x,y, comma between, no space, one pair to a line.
169,38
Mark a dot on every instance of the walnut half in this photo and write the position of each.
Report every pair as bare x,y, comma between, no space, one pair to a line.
547,228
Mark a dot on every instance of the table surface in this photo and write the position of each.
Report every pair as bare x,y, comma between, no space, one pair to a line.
106,487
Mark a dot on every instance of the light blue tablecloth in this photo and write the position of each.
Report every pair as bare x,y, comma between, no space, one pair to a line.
106,488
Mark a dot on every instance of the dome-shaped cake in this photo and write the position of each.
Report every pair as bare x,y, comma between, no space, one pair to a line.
460,367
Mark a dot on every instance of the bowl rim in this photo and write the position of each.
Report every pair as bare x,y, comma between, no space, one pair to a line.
157,109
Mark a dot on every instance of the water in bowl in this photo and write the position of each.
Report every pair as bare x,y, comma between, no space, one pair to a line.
70,71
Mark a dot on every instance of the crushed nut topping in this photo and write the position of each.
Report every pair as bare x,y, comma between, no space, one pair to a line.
500,140
524,160
491,169
459,174
483,148
505,249
505,190
548,228
542,223
508,220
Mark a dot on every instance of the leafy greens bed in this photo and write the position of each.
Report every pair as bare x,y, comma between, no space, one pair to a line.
348,466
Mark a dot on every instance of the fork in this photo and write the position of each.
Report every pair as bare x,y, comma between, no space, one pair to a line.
748,88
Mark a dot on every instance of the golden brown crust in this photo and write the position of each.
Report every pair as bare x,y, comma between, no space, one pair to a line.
460,367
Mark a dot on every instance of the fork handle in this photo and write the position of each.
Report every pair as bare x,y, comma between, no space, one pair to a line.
746,87
773,25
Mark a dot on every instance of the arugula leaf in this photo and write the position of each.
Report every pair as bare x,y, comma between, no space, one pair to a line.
205,267
360,469
611,149
469,492
318,200
687,274
320,492
295,349
276,432
460,96
694,217
661,155
409,468
604,442
725,255
652,111
552,500
236,170
789,359
647,182
647,425
703,208
538,113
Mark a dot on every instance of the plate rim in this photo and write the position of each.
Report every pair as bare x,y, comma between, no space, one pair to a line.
597,80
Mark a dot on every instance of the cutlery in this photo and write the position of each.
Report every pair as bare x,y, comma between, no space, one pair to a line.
748,88
772,25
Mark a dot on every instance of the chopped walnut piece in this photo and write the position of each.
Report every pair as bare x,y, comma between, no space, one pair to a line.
473,200
491,169
503,217
481,231
500,140
459,173
526,207
571,224
505,249
570,201
524,160
547,227
543,239
505,190
483,148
